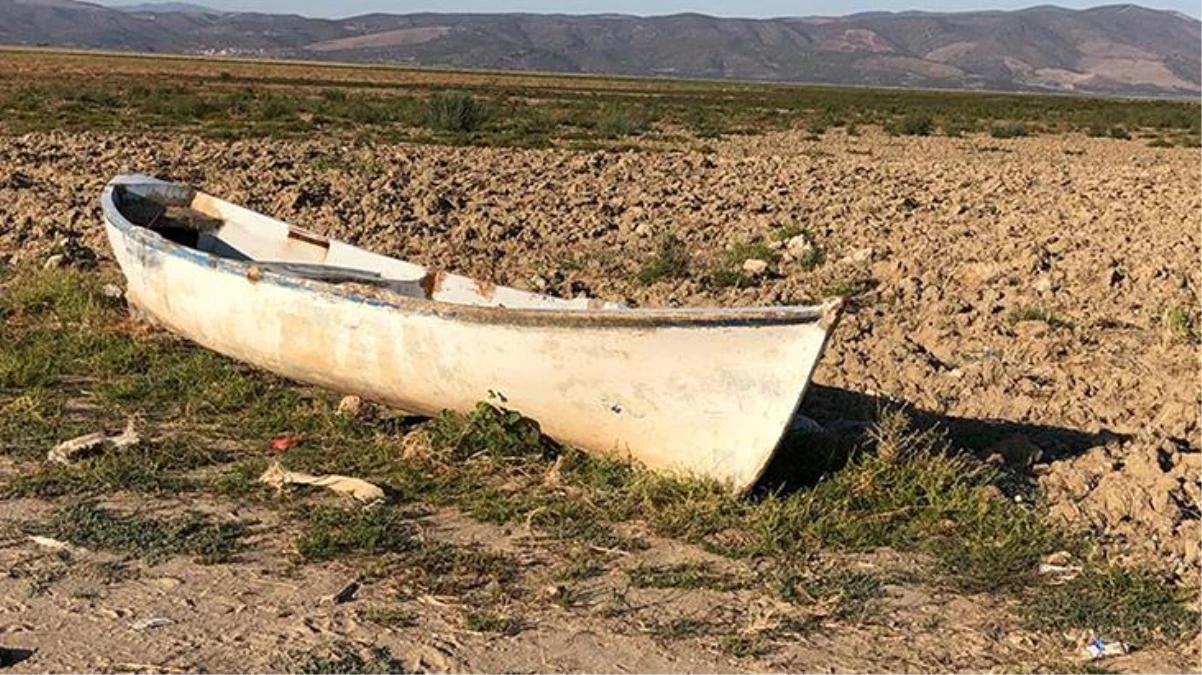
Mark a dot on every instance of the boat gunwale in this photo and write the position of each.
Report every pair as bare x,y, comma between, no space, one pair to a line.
826,314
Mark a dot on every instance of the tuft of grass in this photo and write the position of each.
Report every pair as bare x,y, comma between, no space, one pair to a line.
1160,142
683,575
850,288
1119,133
1012,130
147,467
737,253
912,125
455,112
333,532
153,539
1179,324
670,261
1029,313
852,590
344,658
489,622
391,616
745,646
1136,607
616,122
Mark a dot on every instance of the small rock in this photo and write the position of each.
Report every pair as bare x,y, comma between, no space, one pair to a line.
55,261
754,267
151,622
799,247
1043,284
166,583
112,291
350,406
859,255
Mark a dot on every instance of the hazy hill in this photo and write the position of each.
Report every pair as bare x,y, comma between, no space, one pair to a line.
1119,49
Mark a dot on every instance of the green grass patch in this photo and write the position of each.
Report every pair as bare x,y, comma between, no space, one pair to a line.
911,125
1136,607
1018,315
332,532
1012,130
683,575
391,616
491,622
454,112
670,261
142,536
344,658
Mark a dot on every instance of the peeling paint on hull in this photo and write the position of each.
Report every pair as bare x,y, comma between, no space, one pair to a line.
701,391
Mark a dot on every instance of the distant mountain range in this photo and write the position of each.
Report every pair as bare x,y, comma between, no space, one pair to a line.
1117,49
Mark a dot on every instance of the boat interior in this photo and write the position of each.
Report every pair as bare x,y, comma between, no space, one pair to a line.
193,219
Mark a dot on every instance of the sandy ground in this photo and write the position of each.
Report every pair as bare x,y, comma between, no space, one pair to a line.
952,236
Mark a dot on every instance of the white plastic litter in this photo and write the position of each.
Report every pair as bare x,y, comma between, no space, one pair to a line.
278,477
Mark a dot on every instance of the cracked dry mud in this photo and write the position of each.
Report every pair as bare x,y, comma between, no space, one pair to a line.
951,237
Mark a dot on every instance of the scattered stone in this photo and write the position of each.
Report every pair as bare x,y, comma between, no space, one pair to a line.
350,406
799,248
112,291
1043,284
860,255
755,268
151,623
55,261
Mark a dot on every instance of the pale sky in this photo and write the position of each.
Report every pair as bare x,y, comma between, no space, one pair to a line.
748,8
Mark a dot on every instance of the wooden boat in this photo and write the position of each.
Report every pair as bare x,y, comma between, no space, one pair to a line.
700,391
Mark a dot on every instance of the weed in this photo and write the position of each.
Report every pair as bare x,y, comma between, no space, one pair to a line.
391,616
582,564
488,622
736,254
344,658
745,646
852,590
1018,315
684,575
1132,606
332,532
616,122
849,288
725,278
912,125
1012,130
669,262
1179,324
680,628
454,112
1119,133
153,539
487,430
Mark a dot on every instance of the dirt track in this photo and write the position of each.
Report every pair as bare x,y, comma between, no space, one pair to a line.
954,237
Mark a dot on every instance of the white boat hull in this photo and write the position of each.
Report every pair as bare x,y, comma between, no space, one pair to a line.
704,392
